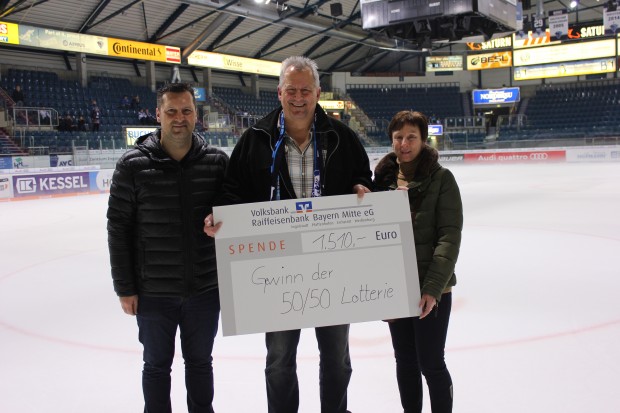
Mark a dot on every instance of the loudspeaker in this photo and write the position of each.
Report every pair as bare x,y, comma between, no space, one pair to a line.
527,4
335,9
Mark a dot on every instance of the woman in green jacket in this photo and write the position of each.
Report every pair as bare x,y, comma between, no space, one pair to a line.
437,218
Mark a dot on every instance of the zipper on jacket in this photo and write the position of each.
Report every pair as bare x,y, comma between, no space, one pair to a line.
186,214
327,155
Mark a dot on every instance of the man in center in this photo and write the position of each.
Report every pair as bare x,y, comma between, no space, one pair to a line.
297,151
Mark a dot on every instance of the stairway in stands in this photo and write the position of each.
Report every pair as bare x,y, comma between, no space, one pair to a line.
7,146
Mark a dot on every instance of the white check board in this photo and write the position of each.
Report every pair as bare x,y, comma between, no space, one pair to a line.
314,262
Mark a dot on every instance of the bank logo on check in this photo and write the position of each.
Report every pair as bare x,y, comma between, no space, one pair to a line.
304,206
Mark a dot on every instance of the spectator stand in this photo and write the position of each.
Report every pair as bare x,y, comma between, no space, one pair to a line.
572,113
48,90
375,105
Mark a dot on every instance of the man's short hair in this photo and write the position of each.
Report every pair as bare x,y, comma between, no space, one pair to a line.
175,88
300,63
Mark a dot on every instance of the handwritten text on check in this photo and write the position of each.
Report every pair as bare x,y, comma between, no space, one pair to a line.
314,262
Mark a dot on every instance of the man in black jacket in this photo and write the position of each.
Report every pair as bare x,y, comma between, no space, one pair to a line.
297,151
163,265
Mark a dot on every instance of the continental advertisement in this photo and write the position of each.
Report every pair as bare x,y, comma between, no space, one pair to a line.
143,51
485,61
235,63
9,33
83,43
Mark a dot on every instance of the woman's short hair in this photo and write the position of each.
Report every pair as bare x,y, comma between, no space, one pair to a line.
410,117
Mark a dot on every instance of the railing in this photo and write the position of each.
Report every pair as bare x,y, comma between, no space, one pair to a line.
460,122
82,155
37,117
217,122
403,85
462,138
38,150
578,86
223,121
551,143
5,99
245,121
380,128
511,120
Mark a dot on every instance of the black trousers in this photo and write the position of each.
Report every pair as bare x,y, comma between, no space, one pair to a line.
419,350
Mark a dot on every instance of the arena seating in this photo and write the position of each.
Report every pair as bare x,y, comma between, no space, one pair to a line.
7,146
383,102
246,103
575,110
46,90
587,109
380,103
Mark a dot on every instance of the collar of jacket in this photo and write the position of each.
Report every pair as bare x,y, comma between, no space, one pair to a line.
269,124
151,146
386,171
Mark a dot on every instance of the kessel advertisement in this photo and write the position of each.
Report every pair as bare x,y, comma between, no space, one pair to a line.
50,184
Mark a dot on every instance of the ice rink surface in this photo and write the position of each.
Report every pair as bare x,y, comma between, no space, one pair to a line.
535,325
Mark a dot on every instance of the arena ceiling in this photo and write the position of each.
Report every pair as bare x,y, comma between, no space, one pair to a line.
267,29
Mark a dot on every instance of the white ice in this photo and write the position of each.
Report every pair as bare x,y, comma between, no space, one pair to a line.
535,325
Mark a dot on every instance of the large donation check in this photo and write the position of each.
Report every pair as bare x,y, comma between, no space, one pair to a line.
314,262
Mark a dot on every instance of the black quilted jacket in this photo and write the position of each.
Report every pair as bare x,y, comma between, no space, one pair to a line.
155,219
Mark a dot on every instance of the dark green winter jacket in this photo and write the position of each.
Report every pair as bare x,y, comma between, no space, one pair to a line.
436,214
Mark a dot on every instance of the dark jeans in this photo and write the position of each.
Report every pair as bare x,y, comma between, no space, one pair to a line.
419,350
197,318
334,369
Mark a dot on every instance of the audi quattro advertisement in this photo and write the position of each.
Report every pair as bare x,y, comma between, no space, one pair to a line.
513,157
